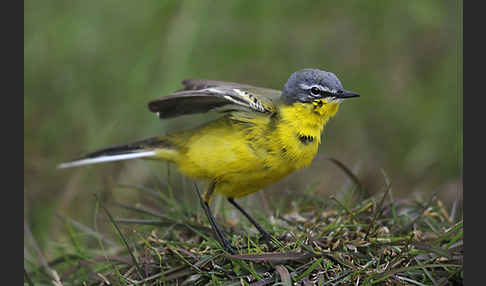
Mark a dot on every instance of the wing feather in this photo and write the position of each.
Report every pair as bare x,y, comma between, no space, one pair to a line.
199,96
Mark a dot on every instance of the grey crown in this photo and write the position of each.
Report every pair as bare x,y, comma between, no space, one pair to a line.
293,90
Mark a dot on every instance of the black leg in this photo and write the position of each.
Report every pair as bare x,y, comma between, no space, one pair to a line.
266,236
222,239
217,230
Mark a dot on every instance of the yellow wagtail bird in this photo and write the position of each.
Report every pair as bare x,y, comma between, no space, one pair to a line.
262,136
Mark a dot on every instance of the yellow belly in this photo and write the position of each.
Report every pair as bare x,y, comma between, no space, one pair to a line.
245,155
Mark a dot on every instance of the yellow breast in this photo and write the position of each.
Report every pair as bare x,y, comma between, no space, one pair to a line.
301,129
243,154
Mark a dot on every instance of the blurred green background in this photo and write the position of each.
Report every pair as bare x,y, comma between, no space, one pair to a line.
90,67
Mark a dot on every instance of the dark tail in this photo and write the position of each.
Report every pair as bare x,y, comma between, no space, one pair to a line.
140,149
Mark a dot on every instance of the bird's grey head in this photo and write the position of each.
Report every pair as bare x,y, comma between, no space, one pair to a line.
308,85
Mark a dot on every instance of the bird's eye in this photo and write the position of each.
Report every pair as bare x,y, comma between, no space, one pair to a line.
315,91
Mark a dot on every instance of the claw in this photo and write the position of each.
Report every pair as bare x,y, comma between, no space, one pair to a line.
267,238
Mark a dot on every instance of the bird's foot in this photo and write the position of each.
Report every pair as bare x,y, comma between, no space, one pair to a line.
267,239
227,246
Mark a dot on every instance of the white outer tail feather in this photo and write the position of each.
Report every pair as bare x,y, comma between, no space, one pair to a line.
106,158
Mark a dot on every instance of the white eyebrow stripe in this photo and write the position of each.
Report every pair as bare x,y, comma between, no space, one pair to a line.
305,86
323,88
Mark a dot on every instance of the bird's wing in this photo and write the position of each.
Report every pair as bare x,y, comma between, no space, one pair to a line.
199,96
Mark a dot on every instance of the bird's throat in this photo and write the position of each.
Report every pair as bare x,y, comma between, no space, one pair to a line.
309,119
299,130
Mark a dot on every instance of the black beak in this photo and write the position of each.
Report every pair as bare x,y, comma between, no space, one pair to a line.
346,94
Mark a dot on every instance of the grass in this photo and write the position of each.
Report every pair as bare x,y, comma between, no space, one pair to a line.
320,241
